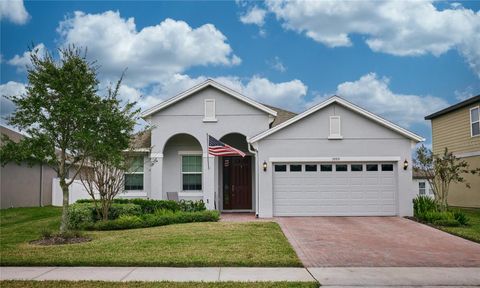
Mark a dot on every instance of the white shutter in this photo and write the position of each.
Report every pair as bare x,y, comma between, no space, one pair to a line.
335,128
209,111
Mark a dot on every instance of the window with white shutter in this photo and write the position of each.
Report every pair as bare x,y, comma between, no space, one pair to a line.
209,111
335,128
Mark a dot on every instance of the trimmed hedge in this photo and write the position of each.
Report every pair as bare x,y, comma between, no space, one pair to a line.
160,218
81,215
150,206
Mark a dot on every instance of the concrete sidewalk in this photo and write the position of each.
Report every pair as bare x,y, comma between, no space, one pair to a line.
331,277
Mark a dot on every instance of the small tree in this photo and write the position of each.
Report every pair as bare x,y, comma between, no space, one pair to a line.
67,121
440,171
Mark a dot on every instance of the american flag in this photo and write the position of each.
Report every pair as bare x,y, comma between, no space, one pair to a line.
217,148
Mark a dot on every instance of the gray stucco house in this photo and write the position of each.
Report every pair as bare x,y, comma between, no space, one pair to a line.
335,159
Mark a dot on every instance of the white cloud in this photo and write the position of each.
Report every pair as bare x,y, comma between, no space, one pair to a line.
10,88
152,53
14,11
254,16
23,61
373,93
277,64
402,28
462,95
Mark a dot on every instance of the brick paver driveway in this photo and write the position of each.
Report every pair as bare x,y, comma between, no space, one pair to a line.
375,241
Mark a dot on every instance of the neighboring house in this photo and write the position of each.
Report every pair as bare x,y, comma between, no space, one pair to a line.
421,185
458,128
23,185
333,159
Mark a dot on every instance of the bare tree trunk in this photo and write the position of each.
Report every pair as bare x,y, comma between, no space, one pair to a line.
64,223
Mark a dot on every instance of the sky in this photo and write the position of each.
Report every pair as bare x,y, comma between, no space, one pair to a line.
399,59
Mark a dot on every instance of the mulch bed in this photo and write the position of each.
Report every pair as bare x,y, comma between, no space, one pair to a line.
60,241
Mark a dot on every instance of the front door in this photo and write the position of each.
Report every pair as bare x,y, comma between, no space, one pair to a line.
237,182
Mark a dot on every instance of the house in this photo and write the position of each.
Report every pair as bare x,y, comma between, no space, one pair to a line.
421,185
458,128
334,159
22,185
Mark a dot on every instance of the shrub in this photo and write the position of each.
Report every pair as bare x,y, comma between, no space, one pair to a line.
150,206
192,206
80,215
118,210
123,222
423,204
460,217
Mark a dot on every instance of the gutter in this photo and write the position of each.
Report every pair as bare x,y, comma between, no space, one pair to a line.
255,151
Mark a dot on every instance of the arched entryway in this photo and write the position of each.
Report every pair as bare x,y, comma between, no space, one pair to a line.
183,167
237,175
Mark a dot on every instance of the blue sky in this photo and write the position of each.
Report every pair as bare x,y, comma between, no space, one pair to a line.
291,55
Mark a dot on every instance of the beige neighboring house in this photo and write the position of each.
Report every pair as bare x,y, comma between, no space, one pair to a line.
23,185
458,128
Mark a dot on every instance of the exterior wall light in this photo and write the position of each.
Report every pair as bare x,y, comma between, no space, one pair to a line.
264,166
405,164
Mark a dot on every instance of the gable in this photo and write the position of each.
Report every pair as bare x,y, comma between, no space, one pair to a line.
355,123
209,84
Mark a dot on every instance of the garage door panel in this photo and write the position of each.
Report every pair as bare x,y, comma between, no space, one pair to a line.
335,193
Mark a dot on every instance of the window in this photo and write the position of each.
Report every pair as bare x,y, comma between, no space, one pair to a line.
335,132
356,167
421,188
295,168
192,172
326,167
209,111
280,168
475,121
134,174
387,167
372,167
341,167
310,168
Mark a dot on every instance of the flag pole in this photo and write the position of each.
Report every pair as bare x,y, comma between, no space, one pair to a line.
208,154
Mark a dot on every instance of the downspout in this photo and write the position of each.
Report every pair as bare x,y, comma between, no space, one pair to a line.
255,151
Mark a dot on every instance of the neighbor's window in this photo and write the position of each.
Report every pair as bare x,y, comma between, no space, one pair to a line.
310,168
356,167
295,168
192,172
134,174
372,167
475,121
326,167
421,188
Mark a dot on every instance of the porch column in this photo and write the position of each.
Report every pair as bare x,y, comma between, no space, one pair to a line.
209,181
156,176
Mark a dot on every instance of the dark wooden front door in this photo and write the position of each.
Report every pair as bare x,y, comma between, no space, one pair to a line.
237,182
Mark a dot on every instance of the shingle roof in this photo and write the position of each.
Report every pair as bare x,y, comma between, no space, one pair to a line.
142,140
454,107
282,115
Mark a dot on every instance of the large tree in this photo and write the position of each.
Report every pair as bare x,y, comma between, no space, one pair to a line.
67,121
440,171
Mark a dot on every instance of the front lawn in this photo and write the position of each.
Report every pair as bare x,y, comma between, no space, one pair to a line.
85,284
194,244
472,231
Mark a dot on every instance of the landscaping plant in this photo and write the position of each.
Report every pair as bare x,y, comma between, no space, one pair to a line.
440,171
67,122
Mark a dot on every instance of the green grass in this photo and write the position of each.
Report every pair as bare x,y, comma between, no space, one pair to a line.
85,284
195,244
470,232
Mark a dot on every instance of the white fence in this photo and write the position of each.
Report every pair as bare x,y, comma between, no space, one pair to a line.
76,192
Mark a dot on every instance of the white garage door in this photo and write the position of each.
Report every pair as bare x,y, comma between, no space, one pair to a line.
340,189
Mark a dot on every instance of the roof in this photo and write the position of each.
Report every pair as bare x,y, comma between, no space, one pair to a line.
201,86
142,141
11,133
417,174
282,115
345,103
454,107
